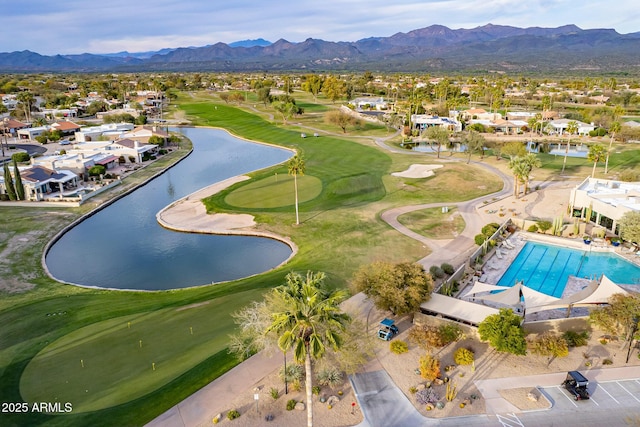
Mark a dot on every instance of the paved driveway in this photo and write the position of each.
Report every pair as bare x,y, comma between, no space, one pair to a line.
383,404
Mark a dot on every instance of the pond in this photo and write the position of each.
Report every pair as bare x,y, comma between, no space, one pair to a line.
123,246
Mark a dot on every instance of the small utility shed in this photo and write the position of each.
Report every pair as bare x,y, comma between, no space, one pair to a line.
456,309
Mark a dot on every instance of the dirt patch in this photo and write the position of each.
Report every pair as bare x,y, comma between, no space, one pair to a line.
13,286
253,414
526,398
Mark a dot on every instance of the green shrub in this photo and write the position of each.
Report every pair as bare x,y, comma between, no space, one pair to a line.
315,390
293,373
532,228
489,229
436,272
450,333
576,339
291,404
275,394
398,347
447,268
607,362
97,170
544,226
463,356
480,239
233,414
21,157
330,376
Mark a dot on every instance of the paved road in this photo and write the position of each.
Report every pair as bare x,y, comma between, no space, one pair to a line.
382,403
615,401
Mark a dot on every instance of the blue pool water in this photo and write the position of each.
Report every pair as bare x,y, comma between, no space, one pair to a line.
546,268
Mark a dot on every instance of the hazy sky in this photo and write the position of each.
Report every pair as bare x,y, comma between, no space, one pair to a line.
107,26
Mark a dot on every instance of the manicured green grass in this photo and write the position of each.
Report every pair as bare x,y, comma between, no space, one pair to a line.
274,191
121,359
340,231
433,223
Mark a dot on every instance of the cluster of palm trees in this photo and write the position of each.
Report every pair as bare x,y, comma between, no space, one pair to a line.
522,166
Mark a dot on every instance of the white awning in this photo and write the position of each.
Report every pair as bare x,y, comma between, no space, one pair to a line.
457,309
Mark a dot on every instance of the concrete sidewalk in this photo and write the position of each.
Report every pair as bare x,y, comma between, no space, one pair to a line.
216,397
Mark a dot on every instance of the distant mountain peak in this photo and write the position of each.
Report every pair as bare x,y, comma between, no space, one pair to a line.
251,43
436,47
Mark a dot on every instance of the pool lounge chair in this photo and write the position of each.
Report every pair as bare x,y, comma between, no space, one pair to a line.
507,245
498,253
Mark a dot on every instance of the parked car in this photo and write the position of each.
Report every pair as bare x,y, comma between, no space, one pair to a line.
576,384
387,329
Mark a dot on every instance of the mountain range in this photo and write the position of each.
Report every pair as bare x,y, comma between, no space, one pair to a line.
434,48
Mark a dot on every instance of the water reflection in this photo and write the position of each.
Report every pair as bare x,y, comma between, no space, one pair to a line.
124,247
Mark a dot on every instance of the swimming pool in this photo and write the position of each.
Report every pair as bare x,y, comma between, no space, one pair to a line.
546,268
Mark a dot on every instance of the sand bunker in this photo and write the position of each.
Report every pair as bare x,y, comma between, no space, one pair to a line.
417,171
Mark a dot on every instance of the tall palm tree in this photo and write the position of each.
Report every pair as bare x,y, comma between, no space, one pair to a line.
530,162
596,152
613,129
572,127
308,320
296,167
517,167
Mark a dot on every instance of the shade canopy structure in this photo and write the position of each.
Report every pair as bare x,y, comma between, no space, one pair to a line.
596,292
456,309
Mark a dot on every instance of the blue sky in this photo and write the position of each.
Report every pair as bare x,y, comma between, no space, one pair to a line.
106,26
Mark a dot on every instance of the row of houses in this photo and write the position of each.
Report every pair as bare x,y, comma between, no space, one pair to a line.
515,123
63,173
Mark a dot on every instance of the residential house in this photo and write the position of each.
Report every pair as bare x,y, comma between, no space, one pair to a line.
66,127
131,151
110,131
369,103
78,163
480,114
508,127
11,126
40,181
32,133
424,121
143,133
559,126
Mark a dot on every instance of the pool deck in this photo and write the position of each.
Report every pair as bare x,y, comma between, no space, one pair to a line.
497,265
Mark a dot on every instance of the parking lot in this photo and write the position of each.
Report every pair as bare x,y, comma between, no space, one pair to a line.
607,394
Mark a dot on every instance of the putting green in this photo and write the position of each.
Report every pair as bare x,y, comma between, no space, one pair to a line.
275,191
118,360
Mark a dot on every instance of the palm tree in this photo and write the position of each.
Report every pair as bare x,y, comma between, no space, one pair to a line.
530,162
596,152
572,127
309,319
26,99
296,167
613,129
517,166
